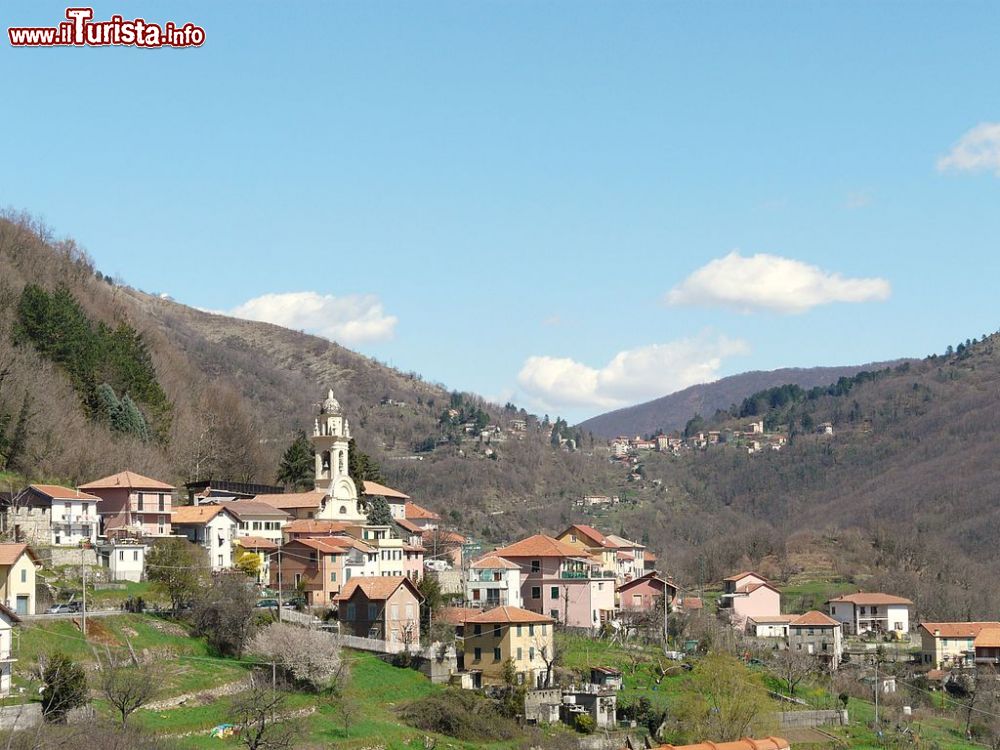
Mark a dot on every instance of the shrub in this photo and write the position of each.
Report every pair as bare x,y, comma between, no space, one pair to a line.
64,687
461,714
584,723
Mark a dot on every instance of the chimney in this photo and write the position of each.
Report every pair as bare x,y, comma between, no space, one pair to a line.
937,632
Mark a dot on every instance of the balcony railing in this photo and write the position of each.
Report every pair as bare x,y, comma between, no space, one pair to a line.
573,574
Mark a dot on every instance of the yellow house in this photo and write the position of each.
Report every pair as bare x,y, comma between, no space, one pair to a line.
18,563
592,542
950,644
509,633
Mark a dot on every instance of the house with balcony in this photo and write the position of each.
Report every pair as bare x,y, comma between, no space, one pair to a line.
951,644
255,518
590,541
817,634
317,567
871,613
493,582
496,635
48,514
562,582
263,549
748,595
629,557
133,503
211,527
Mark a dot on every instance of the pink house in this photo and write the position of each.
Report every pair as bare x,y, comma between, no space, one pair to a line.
560,581
644,593
132,502
749,595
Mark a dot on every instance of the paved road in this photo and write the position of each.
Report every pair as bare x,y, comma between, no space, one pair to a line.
71,615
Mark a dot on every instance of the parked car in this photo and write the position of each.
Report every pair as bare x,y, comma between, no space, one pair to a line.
268,604
63,609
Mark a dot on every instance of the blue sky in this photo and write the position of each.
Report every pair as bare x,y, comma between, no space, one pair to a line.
575,205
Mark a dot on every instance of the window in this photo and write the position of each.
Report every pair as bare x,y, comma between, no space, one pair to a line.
135,555
531,653
477,654
636,600
220,559
544,628
139,502
372,612
333,576
536,566
409,611
121,555
555,592
496,654
519,634
600,585
536,592
520,655
24,575
477,630
395,611
162,503
351,611
531,630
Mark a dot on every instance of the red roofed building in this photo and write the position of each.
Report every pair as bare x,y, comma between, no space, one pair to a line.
502,633
493,582
875,612
132,502
52,515
562,581
951,644
382,607
768,743
749,595
645,593
818,634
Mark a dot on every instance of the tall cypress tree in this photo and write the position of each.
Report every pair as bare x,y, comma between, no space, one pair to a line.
297,468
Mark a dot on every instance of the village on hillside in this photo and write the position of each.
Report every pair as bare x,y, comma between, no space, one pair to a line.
372,571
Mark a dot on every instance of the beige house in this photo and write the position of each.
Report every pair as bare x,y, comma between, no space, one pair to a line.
48,514
950,644
504,633
18,563
383,607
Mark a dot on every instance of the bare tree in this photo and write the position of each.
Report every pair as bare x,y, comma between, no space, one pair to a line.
257,717
307,658
551,656
792,667
127,688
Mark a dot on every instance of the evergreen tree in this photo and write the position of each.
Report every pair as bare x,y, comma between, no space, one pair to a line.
132,420
297,467
378,511
64,687
361,466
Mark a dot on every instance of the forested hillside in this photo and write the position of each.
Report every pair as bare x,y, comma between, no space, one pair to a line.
670,413
96,376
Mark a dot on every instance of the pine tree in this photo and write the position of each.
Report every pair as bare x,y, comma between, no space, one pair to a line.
297,467
378,511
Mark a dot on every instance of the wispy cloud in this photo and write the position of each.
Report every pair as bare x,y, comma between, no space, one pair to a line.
978,150
771,283
631,376
351,319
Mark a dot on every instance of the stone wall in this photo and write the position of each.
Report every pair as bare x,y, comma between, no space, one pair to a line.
812,718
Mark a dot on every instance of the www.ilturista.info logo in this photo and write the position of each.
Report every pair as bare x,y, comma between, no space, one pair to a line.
80,30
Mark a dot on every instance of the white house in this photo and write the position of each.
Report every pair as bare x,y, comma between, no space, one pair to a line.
493,582
257,519
125,558
7,621
769,626
52,515
212,527
877,612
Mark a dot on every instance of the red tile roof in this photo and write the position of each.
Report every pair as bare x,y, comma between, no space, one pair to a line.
9,553
814,619
455,615
588,531
374,488
286,500
256,543
861,598
56,492
538,545
957,629
692,602
514,615
377,588
195,514
246,508
744,574
314,526
988,638
127,479
412,510
648,577
493,562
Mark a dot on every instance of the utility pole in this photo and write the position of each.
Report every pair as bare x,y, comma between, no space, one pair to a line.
279,584
876,692
84,613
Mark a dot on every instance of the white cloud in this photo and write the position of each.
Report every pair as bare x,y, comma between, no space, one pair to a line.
976,151
770,282
632,376
352,319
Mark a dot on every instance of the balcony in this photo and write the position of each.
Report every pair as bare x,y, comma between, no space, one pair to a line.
574,574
